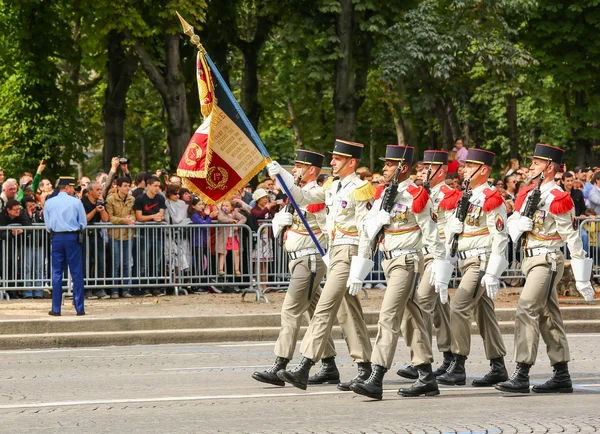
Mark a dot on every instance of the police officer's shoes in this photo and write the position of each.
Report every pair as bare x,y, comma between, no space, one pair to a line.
327,374
82,313
445,364
455,375
559,383
496,374
519,380
364,372
426,384
409,372
298,377
373,386
270,375
52,313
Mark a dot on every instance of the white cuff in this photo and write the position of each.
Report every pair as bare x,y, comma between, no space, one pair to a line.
286,177
360,267
443,270
496,265
582,269
513,230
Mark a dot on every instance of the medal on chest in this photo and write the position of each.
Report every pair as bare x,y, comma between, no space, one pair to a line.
343,207
399,213
538,220
473,215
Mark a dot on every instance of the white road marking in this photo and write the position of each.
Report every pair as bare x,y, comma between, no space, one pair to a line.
50,351
261,344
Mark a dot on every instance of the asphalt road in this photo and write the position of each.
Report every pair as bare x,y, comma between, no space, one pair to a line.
209,389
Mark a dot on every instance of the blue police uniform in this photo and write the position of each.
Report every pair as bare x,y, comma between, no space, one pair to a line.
65,216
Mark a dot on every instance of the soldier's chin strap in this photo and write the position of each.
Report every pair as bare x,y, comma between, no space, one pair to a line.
542,174
336,174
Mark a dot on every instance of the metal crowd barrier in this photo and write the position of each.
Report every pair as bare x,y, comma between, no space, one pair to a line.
181,258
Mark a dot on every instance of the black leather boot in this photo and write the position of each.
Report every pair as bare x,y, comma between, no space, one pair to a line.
445,364
373,386
364,372
455,375
270,375
559,383
409,372
298,377
519,380
496,375
426,384
327,374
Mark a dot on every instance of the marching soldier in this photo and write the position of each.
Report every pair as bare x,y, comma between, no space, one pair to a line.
307,269
553,224
435,313
347,200
407,221
481,242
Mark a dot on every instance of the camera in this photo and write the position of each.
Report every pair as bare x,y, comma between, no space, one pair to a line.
123,160
163,172
99,203
77,189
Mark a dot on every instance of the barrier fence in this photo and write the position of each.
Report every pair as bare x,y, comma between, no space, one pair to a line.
182,258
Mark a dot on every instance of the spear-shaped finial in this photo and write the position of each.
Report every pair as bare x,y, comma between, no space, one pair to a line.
189,30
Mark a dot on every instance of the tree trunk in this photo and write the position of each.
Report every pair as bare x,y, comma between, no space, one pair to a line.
431,136
399,124
453,121
171,88
143,150
442,118
120,68
294,121
343,95
583,145
511,121
372,150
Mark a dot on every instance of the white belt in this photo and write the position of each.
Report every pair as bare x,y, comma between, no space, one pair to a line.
398,252
473,252
345,242
303,252
539,251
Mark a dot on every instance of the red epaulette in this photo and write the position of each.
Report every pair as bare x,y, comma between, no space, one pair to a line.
420,198
314,208
562,202
493,199
521,195
379,190
451,197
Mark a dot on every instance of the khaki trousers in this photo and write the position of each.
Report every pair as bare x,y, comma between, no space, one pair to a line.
335,293
464,304
296,303
400,274
435,313
536,313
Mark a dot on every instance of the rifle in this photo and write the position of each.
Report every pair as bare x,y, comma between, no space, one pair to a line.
461,213
387,203
532,203
428,178
289,208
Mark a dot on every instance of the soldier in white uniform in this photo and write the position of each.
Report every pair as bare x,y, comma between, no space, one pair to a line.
553,223
400,225
307,269
347,200
481,247
435,313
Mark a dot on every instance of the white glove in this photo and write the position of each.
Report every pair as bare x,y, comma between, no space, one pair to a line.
585,289
354,285
441,272
383,218
525,224
283,218
456,226
492,284
443,291
274,168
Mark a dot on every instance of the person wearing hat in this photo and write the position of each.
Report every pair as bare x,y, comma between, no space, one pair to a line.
399,232
307,269
435,313
481,251
347,202
553,224
65,218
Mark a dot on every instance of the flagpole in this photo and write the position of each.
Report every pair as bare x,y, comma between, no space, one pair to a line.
195,39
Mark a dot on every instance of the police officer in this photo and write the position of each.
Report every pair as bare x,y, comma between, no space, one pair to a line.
407,226
482,242
65,219
347,200
553,224
435,313
307,269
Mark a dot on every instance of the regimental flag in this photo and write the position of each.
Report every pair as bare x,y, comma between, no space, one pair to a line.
221,156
